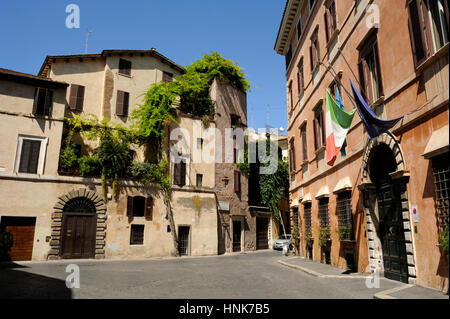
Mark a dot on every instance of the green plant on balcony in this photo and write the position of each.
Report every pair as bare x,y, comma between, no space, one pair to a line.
324,236
90,166
309,239
443,241
344,232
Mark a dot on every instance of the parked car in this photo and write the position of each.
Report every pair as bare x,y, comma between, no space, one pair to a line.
283,240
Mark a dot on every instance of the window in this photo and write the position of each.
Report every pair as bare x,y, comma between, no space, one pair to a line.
295,217
300,79
179,173
428,26
124,67
139,206
237,182
199,180
299,27
76,98
123,99
292,156
369,71
307,218
330,20
288,56
319,128
291,100
344,215
29,157
199,143
324,220
441,176
304,143
30,154
235,120
43,102
167,77
314,50
137,235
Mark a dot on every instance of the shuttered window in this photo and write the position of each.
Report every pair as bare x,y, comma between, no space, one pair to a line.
43,102
304,142
167,77
237,181
29,157
179,173
428,27
319,128
288,56
124,67
122,103
292,157
314,50
369,71
300,79
139,206
76,99
330,20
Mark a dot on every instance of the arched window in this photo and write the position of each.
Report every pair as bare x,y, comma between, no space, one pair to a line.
79,205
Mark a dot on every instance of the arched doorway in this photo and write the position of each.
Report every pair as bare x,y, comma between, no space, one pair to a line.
390,218
79,223
383,187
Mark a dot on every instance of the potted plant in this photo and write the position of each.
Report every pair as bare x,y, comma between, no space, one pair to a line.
309,240
344,232
324,236
443,241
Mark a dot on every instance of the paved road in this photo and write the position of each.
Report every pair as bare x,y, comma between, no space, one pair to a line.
252,275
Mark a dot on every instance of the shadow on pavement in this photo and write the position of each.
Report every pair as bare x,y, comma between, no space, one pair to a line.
18,284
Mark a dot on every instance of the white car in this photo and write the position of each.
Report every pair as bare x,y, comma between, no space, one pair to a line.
283,240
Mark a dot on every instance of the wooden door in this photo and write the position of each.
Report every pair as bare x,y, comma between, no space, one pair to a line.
262,228
78,235
392,234
236,235
22,230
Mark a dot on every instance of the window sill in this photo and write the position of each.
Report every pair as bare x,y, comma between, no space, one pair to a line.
332,38
425,64
320,149
125,75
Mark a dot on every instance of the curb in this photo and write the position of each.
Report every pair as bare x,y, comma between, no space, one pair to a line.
316,274
386,293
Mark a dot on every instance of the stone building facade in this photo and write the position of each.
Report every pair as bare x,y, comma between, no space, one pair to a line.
392,190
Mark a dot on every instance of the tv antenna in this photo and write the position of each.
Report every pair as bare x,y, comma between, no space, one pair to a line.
87,39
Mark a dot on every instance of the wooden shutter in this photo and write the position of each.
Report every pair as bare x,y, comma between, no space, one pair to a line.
36,99
304,143
48,102
327,29
126,101
29,157
426,30
237,182
176,173
311,57
167,77
148,213
80,98
73,97
182,173
119,103
322,126
378,69
130,206
293,157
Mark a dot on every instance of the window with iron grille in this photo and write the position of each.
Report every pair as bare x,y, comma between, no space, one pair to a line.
295,217
137,235
441,182
307,217
344,214
323,213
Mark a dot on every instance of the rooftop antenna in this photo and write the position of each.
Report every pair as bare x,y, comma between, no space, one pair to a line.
87,39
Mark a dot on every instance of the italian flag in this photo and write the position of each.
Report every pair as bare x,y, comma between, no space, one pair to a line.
337,123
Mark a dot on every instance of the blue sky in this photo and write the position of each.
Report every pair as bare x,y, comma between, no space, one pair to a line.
242,30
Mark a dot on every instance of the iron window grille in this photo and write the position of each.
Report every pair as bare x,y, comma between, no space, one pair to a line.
323,213
307,218
441,182
137,235
344,214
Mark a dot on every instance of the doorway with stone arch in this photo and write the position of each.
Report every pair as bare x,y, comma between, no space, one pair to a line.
386,208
